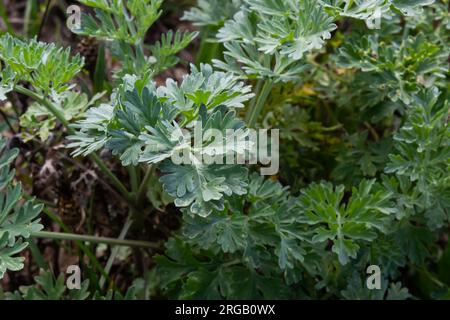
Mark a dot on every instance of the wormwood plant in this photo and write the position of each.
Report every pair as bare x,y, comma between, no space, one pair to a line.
17,220
359,91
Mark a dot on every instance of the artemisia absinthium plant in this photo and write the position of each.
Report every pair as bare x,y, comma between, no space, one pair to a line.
359,91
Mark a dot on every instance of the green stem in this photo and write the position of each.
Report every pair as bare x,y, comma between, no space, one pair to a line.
114,180
141,192
80,244
94,239
99,72
231,263
134,179
37,255
5,18
115,250
46,103
255,112
208,50
94,157
47,203
31,12
251,106
44,18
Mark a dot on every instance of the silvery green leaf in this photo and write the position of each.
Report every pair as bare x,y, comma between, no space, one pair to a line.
208,87
6,82
368,210
202,188
8,255
212,13
17,220
46,67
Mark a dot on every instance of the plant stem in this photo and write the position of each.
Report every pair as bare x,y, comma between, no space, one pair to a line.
80,244
31,12
37,255
134,179
374,133
5,18
100,178
94,157
141,192
44,18
255,112
115,250
99,72
50,106
252,103
231,263
94,239
114,180
208,50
